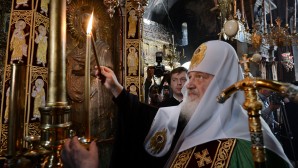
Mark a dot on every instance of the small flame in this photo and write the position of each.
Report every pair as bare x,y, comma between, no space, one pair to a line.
89,28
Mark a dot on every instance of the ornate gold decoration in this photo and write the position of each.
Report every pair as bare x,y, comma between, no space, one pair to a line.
198,56
224,153
158,141
203,158
212,154
256,40
140,7
75,22
182,159
111,4
278,36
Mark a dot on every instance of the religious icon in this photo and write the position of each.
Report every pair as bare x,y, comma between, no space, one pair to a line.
42,41
132,24
21,3
18,44
38,93
44,6
132,61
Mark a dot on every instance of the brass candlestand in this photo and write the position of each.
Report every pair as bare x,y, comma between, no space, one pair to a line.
55,116
253,106
16,113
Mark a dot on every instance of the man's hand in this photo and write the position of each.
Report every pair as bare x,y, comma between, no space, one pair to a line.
75,155
110,80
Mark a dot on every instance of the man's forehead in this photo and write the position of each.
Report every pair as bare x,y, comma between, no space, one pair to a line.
179,73
196,72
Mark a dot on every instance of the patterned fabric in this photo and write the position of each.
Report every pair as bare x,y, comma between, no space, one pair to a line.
212,154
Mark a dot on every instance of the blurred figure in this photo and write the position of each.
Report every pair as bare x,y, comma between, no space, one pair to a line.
148,82
166,93
269,108
289,136
154,95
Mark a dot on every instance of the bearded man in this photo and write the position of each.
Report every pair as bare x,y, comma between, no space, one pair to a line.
199,132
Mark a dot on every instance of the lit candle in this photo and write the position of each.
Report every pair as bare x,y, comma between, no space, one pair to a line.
87,78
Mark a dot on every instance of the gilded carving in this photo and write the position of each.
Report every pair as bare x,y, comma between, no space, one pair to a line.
132,61
44,6
42,45
38,93
18,44
20,3
132,24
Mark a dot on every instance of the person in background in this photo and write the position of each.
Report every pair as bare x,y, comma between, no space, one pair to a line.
166,93
269,107
154,95
197,131
148,82
178,77
289,130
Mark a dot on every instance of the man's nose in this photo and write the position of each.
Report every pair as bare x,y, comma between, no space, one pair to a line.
190,84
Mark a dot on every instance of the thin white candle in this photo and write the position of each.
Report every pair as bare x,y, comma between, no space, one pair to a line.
87,78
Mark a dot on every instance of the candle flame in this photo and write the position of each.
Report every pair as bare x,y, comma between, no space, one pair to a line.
89,28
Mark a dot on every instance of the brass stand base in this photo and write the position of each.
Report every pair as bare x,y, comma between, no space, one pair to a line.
55,128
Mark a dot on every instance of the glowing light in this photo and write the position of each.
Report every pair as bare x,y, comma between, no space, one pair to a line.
89,28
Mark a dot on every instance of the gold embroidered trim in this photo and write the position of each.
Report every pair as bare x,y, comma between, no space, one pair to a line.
217,155
203,158
183,158
198,56
224,153
158,141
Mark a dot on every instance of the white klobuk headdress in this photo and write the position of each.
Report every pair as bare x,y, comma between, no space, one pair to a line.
211,120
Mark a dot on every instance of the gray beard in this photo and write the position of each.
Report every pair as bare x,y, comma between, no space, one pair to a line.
188,108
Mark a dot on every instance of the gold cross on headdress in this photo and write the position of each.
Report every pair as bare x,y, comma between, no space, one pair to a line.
245,62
